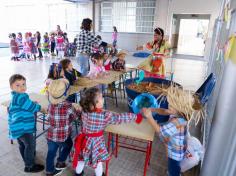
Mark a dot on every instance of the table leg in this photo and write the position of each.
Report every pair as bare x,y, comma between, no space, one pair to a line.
147,157
108,149
116,148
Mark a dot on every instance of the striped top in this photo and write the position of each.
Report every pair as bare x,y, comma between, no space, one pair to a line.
21,115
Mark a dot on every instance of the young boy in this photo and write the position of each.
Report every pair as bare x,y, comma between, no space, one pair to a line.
173,133
22,122
119,63
61,114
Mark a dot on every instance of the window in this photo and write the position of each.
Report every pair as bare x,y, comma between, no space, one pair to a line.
128,16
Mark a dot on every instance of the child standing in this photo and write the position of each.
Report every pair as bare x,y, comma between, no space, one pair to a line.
52,43
60,46
71,75
14,47
90,148
114,36
21,122
119,63
61,114
20,45
26,47
173,133
46,46
32,45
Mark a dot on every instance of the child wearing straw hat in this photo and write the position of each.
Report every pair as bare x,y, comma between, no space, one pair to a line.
119,63
183,107
61,114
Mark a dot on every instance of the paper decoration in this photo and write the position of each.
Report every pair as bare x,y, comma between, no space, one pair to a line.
141,77
231,49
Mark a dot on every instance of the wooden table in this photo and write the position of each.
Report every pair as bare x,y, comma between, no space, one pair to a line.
142,132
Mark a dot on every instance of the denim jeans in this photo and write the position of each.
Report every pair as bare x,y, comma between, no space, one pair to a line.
173,167
27,148
83,61
64,147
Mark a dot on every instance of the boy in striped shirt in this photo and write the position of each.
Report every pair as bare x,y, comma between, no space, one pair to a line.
21,122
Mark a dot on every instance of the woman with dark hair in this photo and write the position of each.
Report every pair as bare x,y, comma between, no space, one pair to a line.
154,66
38,39
86,41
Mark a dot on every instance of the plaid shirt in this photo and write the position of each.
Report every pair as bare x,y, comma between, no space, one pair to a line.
60,118
173,134
86,41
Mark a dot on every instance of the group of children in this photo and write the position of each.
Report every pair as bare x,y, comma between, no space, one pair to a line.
89,146
28,46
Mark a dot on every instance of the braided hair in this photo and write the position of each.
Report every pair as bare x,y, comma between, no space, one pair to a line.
88,99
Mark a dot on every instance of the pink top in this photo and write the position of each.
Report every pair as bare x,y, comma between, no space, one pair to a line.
114,36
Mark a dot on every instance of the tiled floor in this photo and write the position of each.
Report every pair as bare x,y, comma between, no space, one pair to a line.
189,73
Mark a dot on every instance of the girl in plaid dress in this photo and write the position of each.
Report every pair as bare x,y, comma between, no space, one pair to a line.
90,148
26,47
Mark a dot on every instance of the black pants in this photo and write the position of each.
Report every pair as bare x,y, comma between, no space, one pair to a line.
40,53
53,44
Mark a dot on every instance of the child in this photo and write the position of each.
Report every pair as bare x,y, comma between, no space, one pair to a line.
61,114
20,45
26,47
46,46
60,45
21,121
52,43
71,75
119,63
14,47
107,61
114,36
96,66
90,148
33,47
182,105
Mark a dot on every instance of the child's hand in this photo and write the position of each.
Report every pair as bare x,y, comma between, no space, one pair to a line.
77,107
147,112
43,110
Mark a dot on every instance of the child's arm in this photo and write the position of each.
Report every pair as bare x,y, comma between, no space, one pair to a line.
74,112
118,118
161,111
24,101
148,114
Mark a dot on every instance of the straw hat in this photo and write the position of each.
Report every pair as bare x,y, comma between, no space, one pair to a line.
121,52
185,102
57,90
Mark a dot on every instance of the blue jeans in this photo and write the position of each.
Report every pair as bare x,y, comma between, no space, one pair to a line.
83,61
173,167
27,148
65,148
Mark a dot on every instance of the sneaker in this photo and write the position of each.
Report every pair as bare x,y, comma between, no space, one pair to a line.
81,174
35,168
56,172
60,166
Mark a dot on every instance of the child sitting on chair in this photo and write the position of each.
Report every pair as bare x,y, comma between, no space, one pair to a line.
90,148
61,114
71,75
96,66
21,122
119,63
173,133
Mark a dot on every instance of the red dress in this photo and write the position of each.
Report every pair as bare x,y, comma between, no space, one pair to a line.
90,145
14,47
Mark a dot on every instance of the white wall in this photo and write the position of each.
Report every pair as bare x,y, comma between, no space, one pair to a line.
163,18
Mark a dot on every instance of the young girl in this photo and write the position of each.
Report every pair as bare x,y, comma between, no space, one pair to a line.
119,63
90,148
71,75
14,47
32,45
114,36
52,43
46,46
26,47
20,45
60,45
96,66
107,61
182,106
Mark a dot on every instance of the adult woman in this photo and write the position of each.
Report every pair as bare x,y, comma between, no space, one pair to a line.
154,65
38,44
86,41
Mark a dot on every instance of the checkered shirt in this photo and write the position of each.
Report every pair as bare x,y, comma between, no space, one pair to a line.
86,41
173,134
60,118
